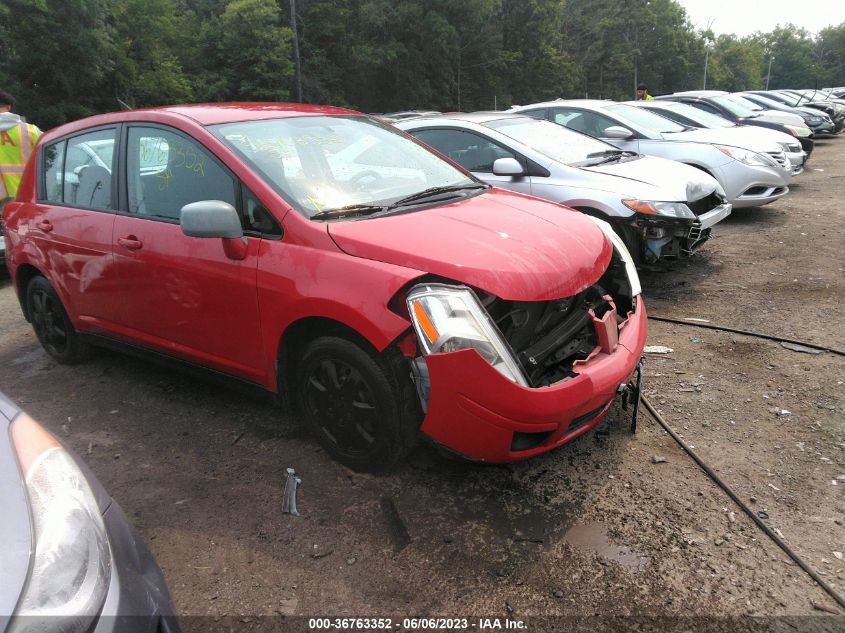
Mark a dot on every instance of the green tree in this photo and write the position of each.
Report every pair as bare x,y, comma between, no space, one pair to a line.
792,49
246,54
830,56
58,60
148,35
537,65
735,64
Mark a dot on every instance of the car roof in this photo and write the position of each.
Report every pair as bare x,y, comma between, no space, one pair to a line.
593,103
471,117
203,114
213,113
697,93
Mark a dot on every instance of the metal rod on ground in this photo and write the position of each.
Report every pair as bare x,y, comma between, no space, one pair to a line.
722,328
769,532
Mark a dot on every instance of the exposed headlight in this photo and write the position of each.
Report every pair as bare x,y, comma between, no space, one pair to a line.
71,566
669,209
815,119
450,318
619,245
745,156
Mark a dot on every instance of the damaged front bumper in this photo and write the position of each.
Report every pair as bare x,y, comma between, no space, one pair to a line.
475,411
666,238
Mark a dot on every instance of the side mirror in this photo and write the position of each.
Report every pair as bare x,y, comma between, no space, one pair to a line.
507,167
211,218
617,131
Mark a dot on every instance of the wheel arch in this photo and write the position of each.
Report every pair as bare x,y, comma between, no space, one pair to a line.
296,337
25,273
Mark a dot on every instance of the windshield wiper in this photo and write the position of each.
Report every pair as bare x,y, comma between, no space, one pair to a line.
350,209
435,191
610,155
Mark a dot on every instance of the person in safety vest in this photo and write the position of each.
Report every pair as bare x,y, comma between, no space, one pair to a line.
642,93
17,138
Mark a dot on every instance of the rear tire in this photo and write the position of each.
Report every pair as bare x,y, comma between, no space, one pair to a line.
360,405
52,326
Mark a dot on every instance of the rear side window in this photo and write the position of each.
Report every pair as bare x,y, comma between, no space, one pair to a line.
87,170
165,171
54,159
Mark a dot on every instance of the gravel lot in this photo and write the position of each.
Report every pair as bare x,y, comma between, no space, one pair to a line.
596,527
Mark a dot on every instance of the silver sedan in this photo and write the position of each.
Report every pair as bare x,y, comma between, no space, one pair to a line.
661,208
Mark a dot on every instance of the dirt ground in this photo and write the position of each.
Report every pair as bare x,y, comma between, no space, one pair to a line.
594,528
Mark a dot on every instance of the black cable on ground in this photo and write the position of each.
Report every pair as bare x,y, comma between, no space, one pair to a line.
769,532
721,328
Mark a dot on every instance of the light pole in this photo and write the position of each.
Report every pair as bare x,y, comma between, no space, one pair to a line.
708,30
769,74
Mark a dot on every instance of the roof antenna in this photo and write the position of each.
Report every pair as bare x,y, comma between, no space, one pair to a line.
123,104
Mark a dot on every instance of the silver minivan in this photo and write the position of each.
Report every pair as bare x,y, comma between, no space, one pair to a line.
661,208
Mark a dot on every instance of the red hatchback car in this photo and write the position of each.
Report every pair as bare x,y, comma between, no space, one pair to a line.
334,260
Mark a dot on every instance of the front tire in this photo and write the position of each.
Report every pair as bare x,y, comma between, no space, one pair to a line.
52,326
360,405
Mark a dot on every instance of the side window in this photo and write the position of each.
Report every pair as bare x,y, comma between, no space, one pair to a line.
88,170
584,121
541,114
54,159
470,151
165,171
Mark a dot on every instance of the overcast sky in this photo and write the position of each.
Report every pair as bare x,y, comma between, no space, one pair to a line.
743,17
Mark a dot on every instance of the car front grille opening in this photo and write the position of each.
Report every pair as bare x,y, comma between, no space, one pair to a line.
548,337
755,191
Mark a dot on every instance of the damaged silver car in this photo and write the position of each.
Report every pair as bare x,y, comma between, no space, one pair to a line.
661,208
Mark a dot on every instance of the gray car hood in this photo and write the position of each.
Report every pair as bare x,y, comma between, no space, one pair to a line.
652,178
15,528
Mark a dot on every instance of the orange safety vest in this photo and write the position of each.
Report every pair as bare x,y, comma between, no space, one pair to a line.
16,144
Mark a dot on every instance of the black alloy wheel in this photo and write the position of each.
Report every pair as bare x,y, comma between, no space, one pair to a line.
360,404
339,396
51,323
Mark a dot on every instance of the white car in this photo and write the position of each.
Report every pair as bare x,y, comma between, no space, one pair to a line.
732,134
751,175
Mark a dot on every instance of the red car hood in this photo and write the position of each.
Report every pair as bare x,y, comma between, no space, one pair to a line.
516,247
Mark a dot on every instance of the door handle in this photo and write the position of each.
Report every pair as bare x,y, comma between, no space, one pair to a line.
45,225
131,242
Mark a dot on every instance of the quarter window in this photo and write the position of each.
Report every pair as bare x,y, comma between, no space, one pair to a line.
470,151
54,159
166,171
87,171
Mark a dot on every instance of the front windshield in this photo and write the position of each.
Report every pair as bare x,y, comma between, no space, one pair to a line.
737,109
646,119
702,118
323,163
554,141
745,103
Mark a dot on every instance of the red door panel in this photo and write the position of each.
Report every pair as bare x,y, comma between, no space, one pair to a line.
184,296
